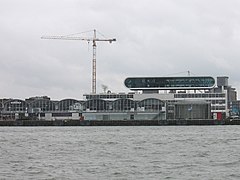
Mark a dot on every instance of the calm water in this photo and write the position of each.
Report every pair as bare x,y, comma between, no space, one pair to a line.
180,152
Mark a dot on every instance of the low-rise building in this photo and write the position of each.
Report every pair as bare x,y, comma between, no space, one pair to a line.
151,98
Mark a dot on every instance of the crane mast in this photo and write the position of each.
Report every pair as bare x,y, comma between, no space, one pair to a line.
94,44
94,64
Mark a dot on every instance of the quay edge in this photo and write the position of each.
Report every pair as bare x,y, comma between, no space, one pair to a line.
195,122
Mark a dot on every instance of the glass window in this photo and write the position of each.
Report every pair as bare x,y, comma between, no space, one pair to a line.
166,82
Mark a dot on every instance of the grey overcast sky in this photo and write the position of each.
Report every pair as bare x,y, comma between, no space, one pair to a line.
154,38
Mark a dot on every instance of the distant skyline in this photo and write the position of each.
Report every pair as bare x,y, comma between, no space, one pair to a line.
154,38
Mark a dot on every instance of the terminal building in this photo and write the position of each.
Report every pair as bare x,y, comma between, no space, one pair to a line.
167,98
150,98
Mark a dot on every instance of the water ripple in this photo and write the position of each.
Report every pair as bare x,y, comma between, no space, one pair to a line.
210,152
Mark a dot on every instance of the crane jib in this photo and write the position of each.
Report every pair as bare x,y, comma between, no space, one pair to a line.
93,40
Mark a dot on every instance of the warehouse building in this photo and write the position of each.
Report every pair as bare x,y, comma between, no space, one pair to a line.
151,98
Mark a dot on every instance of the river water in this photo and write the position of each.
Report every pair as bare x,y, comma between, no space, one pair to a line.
131,152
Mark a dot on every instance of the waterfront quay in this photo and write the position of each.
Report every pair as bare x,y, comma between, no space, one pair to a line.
195,122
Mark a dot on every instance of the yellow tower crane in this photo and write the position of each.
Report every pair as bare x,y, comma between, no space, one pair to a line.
93,40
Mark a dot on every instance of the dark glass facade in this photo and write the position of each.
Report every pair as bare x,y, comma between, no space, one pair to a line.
163,83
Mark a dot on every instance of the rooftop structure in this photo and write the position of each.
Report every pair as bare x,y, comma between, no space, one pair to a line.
169,83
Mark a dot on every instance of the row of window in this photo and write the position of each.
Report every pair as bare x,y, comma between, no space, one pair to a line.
218,108
97,104
109,96
93,104
164,82
200,95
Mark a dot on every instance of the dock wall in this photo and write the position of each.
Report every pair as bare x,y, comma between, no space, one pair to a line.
200,122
